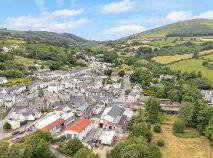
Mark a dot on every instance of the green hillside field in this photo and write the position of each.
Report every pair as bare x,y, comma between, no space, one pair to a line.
193,65
189,27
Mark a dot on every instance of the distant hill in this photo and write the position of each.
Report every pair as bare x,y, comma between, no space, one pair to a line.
194,27
73,39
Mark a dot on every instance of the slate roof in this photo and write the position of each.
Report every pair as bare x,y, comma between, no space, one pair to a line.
115,111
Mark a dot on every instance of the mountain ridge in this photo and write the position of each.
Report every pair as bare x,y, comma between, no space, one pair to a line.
46,35
193,27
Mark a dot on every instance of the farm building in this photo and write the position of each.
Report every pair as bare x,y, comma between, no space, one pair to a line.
79,130
52,123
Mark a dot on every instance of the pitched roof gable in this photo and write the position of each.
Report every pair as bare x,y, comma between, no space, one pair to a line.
53,124
79,126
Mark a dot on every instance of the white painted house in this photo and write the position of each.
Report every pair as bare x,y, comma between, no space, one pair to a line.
79,130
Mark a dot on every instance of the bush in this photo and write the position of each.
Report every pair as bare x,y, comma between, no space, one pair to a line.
121,73
160,143
141,129
157,129
70,147
7,126
179,126
134,147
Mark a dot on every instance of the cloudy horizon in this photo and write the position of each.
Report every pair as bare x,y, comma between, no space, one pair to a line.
104,20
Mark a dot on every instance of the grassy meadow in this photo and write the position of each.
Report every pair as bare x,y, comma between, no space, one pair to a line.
27,61
170,59
193,65
177,147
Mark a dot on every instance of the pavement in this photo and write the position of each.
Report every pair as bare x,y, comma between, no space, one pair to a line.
3,134
125,86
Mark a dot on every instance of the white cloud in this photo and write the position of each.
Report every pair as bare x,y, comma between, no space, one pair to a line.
178,16
47,21
67,13
172,17
206,15
125,30
60,3
118,7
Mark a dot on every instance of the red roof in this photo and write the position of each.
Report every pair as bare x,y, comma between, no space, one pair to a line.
53,124
79,125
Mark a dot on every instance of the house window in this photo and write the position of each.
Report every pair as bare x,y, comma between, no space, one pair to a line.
101,125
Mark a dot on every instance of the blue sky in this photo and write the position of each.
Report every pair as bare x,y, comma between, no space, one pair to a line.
99,19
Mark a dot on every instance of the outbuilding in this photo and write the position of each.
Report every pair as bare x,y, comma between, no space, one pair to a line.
79,130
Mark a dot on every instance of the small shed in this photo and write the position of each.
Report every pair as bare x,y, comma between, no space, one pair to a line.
14,124
107,137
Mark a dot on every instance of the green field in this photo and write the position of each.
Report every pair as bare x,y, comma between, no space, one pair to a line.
27,61
193,65
195,26
12,41
170,59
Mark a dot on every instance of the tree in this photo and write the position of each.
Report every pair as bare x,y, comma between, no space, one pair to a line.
70,147
55,66
198,106
141,76
134,120
134,147
127,92
204,117
179,126
108,72
186,112
157,129
141,129
7,125
85,153
153,109
121,73
209,130
36,145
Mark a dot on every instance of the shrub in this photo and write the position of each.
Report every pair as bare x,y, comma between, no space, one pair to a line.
160,143
121,73
134,147
7,126
157,129
141,129
70,147
179,126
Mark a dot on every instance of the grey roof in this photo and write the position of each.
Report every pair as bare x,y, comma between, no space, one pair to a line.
3,96
115,111
134,93
122,120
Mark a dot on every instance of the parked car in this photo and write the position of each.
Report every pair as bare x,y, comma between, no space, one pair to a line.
22,132
15,133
